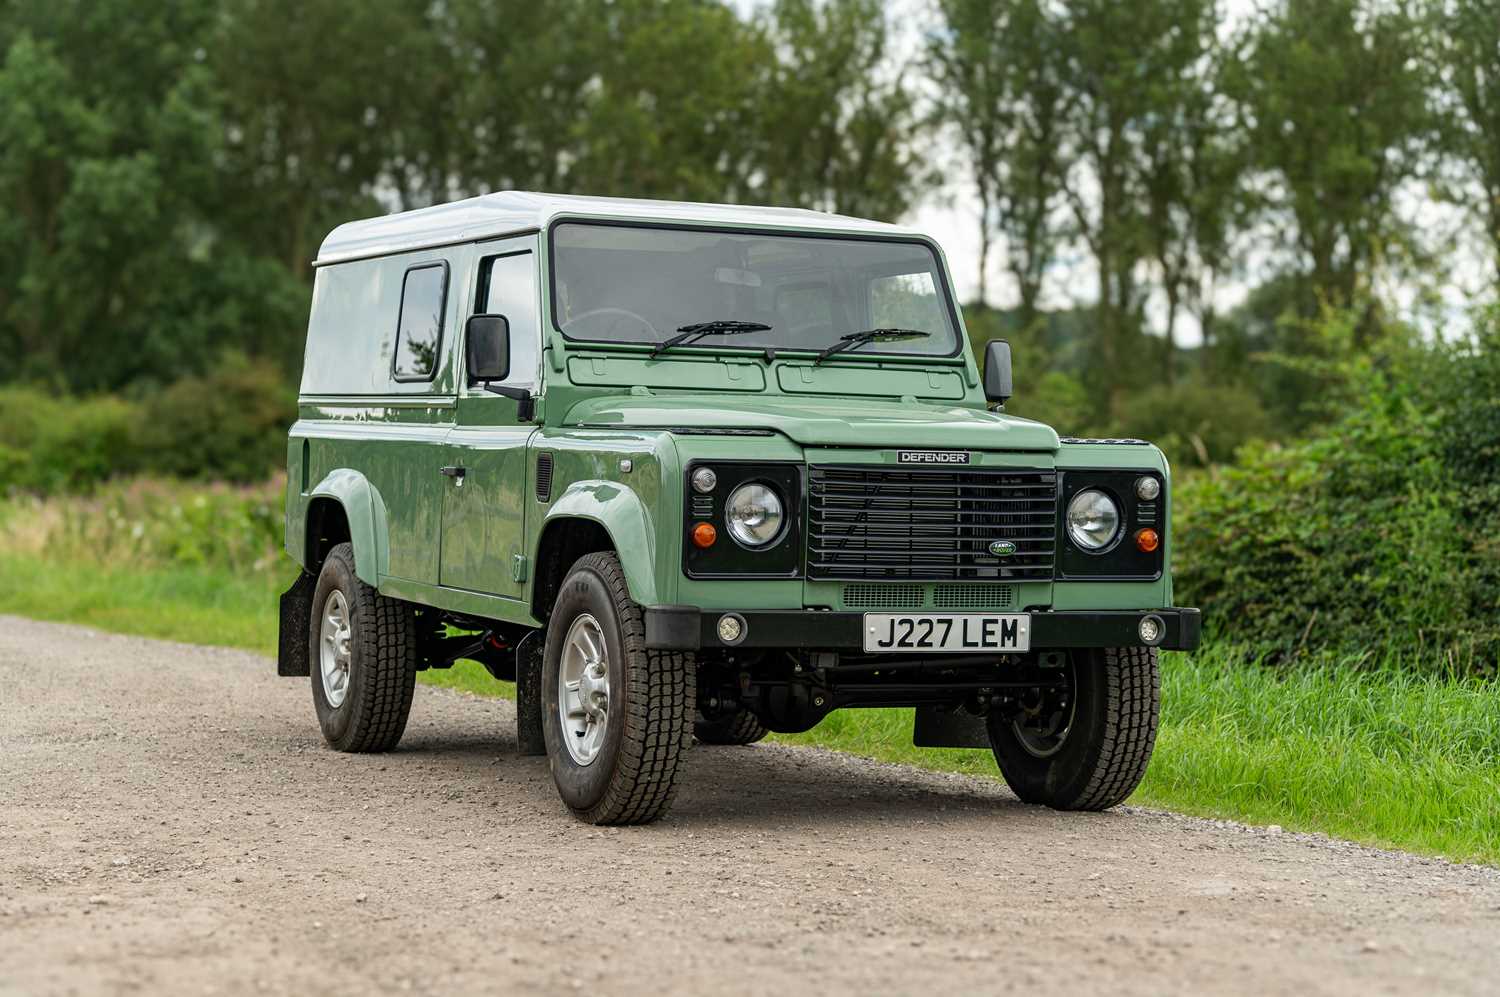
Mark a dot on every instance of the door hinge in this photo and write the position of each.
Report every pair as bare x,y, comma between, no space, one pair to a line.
518,567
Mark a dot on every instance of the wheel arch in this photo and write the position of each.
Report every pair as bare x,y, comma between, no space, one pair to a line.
594,516
345,506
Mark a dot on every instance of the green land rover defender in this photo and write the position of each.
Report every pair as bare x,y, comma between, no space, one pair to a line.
699,471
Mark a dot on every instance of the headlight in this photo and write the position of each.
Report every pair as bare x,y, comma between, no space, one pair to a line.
754,515
1093,519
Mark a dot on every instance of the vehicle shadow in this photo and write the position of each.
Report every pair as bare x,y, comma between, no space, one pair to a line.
747,788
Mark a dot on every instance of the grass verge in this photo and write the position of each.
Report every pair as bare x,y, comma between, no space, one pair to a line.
1377,756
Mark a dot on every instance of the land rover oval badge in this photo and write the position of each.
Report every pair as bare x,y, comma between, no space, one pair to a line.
1002,548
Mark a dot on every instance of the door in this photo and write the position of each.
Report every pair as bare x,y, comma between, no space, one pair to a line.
484,506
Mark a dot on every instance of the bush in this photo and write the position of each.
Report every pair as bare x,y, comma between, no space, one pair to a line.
229,424
1196,424
1373,537
53,443
149,522
1057,399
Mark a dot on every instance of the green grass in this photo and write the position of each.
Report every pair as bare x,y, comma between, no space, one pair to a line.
1378,756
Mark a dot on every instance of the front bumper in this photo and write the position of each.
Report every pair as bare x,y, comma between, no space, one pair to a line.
688,628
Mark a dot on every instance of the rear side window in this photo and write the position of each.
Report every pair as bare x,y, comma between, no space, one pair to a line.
419,329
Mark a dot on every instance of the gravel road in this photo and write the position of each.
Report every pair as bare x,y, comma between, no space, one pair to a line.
170,821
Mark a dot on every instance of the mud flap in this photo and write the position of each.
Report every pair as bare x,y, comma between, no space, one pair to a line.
936,727
529,656
296,618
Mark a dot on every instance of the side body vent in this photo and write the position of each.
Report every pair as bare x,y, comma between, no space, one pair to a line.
544,476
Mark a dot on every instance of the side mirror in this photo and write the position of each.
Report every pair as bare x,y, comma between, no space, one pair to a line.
487,348
997,371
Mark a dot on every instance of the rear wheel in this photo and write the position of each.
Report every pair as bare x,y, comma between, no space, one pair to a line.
616,717
740,727
363,654
1083,742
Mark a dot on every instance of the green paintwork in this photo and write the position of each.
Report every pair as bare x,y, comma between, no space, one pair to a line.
846,379
604,414
826,420
667,372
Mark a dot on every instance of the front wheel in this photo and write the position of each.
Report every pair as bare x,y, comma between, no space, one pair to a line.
616,717
1083,742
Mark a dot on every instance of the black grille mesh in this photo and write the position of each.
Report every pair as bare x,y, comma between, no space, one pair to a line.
543,476
867,522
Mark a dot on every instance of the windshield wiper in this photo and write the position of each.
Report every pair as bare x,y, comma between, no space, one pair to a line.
855,340
718,327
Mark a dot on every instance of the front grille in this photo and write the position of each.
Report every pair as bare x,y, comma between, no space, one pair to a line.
867,596
974,596
869,522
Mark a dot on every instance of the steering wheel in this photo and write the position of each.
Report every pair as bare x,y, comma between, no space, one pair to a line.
625,312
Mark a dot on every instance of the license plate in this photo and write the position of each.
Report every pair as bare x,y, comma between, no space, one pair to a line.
946,633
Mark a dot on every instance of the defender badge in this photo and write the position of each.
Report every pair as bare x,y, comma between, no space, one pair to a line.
932,457
1002,548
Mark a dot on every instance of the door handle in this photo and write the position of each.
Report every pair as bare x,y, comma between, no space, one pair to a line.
453,472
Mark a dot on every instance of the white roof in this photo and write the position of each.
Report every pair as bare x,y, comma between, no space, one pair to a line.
505,211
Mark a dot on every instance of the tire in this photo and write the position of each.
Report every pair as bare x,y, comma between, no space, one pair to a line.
367,710
743,727
638,746
1102,753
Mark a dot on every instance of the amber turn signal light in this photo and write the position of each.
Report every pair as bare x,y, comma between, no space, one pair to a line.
704,535
1147,540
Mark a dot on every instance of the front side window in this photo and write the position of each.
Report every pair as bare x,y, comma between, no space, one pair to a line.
507,286
637,284
419,327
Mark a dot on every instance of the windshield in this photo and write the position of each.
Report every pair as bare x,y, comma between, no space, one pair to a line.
632,284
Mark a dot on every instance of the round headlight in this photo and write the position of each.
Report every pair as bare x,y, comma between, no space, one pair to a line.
1093,519
754,515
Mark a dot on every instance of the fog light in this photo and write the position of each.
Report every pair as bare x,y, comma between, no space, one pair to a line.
1147,489
1151,629
731,628
704,535
704,480
1147,540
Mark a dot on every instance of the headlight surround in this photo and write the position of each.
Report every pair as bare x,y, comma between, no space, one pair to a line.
755,514
1093,520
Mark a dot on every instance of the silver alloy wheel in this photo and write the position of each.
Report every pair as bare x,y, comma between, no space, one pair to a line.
336,634
583,689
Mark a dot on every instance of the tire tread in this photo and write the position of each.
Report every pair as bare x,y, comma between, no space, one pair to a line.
743,727
662,696
1132,709
386,635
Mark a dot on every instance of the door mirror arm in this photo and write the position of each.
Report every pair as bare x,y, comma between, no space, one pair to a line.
527,409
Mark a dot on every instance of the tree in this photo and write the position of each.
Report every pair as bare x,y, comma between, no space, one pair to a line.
1335,100
1130,67
1465,65
1196,158
999,70
839,126
316,94
110,271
